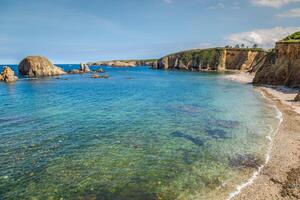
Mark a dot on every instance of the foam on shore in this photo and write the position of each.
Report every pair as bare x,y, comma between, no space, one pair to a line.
270,137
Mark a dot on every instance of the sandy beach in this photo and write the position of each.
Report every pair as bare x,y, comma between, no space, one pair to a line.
280,177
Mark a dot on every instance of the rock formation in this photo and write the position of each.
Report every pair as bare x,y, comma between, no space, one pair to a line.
35,66
284,68
84,68
214,59
8,75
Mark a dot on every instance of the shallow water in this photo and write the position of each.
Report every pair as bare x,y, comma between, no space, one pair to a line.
141,134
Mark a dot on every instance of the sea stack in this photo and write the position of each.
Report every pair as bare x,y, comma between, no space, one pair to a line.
36,66
84,68
8,75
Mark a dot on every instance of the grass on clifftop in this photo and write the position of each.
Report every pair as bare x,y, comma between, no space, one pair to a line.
295,37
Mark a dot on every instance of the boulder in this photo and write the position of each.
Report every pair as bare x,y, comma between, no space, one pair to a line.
84,68
8,75
35,66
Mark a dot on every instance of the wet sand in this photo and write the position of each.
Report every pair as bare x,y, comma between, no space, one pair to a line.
280,177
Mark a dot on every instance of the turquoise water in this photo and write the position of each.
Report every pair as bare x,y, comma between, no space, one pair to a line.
141,134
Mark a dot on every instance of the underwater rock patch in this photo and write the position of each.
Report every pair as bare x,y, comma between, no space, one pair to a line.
229,124
217,133
187,109
196,140
245,161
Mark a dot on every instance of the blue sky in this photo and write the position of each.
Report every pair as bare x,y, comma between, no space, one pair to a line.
72,31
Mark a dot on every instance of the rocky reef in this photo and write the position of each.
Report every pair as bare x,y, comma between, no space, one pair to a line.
283,66
8,75
84,68
213,59
36,66
123,63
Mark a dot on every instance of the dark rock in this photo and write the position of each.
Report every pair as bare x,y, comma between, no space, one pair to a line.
196,140
229,124
245,161
217,133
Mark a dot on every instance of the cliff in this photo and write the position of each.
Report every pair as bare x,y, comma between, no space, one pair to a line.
123,63
214,59
284,69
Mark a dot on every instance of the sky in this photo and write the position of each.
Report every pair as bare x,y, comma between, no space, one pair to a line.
73,31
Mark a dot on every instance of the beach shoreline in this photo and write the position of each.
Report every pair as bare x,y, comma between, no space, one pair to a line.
279,177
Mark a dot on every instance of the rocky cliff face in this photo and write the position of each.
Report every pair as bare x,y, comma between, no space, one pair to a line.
284,69
35,66
215,59
8,75
123,63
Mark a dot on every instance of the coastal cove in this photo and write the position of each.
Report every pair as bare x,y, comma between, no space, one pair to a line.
140,134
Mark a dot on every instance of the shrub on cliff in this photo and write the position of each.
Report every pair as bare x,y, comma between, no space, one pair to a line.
295,37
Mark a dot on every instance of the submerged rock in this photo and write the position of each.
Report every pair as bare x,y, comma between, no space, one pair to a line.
217,133
229,124
245,161
196,140
99,76
35,66
8,75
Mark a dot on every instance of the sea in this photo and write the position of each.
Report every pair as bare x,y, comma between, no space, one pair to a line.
141,134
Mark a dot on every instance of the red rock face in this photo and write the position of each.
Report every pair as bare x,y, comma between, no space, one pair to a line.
35,66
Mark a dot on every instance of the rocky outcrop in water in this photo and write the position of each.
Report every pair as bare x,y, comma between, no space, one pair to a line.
214,59
84,68
35,66
283,68
8,75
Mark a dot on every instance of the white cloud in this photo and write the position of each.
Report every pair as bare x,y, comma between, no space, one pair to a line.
273,3
295,12
168,1
263,37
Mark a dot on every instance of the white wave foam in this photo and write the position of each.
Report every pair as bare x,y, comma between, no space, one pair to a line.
250,181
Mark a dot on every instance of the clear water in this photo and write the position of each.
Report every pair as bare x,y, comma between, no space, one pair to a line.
141,134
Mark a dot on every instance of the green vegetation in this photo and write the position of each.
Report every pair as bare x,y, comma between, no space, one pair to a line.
295,37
